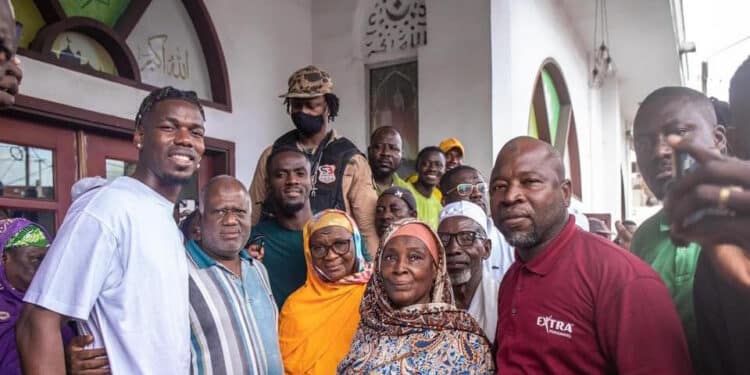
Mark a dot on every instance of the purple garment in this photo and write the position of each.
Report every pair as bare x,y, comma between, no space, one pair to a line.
11,302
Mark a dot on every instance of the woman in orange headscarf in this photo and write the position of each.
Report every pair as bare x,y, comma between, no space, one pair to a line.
318,321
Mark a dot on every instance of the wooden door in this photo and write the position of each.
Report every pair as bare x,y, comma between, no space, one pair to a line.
37,171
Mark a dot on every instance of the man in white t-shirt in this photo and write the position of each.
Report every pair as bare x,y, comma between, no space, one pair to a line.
118,264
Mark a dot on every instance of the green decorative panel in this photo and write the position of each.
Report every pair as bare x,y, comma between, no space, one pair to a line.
553,104
28,15
104,11
533,127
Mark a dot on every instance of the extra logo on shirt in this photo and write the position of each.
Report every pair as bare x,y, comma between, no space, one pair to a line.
555,327
327,173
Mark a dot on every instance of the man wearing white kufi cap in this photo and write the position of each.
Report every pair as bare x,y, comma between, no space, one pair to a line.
463,231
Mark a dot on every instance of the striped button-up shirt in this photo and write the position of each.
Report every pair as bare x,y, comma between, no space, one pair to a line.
233,319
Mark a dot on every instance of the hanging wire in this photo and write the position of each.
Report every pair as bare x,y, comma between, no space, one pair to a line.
605,23
596,24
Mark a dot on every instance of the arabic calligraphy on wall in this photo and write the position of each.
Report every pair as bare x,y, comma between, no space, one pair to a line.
157,56
395,25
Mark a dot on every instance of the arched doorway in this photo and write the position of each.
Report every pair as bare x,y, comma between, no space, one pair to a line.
551,119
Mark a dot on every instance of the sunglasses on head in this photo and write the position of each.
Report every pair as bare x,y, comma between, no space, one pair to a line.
466,189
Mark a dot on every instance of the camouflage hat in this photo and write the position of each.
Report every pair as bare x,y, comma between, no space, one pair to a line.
309,82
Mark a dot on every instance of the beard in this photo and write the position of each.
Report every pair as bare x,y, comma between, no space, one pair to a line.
539,226
289,209
461,277
523,240
173,180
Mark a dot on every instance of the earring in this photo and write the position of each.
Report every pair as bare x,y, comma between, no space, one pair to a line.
138,146
199,165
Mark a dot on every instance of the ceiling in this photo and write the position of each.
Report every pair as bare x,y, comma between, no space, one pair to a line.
642,43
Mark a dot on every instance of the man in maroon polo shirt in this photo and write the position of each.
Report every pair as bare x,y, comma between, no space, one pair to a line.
572,303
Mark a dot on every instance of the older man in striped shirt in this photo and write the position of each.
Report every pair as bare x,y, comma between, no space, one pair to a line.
233,316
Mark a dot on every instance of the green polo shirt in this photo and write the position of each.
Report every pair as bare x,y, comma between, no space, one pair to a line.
676,266
428,208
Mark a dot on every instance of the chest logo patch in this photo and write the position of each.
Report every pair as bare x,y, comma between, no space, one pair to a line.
555,327
327,173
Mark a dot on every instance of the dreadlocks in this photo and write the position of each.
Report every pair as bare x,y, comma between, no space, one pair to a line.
332,101
165,93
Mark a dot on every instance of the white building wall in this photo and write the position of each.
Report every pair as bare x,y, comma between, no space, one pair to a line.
455,86
524,35
263,42
336,49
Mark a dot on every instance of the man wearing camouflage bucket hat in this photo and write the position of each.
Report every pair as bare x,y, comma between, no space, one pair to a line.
341,176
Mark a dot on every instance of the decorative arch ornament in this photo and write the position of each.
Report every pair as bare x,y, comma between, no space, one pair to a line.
395,25
551,119
55,15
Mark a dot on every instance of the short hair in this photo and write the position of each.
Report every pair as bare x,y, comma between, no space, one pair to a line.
383,129
676,93
723,114
213,181
332,101
426,151
166,93
515,146
449,175
281,150
629,222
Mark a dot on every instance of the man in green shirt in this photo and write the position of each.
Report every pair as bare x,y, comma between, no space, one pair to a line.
430,168
288,182
688,113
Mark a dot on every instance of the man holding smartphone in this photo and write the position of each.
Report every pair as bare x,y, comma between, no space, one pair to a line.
10,65
690,114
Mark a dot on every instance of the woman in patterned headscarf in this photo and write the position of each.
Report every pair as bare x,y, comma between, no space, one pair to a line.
23,244
318,321
410,324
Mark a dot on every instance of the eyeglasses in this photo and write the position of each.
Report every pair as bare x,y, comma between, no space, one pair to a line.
340,247
466,189
465,238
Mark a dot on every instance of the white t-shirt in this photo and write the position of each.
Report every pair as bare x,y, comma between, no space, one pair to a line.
118,263
483,306
501,256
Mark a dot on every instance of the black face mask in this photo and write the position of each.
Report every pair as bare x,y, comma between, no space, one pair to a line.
307,124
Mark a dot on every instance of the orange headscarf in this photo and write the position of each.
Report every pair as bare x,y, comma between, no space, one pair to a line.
318,321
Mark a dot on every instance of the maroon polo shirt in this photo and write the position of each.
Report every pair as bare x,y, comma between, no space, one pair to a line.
585,306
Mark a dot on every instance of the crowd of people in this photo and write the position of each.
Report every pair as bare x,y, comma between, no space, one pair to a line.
331,262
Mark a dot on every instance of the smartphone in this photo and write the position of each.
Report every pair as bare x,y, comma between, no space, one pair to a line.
683,164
